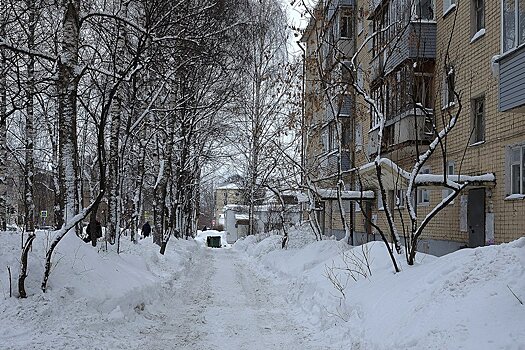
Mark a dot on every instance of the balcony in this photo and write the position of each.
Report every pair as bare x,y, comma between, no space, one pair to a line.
339,3
329,162
345,48
418,41
511,77
401,132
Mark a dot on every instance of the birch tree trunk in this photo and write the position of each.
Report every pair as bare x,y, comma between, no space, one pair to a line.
3,130
67,128
113,225
29,168
67,110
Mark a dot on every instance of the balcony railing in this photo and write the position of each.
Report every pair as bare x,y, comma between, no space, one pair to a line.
403,130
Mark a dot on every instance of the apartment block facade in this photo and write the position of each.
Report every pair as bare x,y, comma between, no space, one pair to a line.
409,68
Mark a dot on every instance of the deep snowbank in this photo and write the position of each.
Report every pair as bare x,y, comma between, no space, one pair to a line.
87,280
462,300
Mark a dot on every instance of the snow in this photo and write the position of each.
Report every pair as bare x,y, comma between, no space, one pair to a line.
332,194
478,35
438,179
203,235
462,300
515,196
259,296
449,9
229,187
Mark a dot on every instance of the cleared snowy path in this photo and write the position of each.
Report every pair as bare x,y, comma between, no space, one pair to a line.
222,304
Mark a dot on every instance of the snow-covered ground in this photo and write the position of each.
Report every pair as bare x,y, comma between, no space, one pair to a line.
258,296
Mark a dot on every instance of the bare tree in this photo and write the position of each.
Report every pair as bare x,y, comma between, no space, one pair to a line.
261,108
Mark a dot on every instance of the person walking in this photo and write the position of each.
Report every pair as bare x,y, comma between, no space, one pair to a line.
146,229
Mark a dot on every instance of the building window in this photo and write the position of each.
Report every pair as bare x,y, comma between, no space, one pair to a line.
422,90
478,15
449,85
345,24
375,116
380,205
423,195
425,9
513,24
370,32
478,119
346,132
360,18
517,170
397,198
358,137
331,137
357,203
450,171
360,77
448,5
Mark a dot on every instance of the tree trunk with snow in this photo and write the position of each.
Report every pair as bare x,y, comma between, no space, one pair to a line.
3,128
29,168
23,265
67,109
115,162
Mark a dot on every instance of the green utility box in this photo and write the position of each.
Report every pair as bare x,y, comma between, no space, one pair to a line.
213,241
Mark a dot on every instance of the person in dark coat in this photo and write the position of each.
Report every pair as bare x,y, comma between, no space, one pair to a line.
146,229
98,231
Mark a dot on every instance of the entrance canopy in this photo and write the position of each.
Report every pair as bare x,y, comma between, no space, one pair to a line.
331,194
393,177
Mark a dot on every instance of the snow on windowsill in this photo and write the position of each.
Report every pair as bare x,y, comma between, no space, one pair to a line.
374,128
448,105
422,20
451,8
480,33
515,197
477,143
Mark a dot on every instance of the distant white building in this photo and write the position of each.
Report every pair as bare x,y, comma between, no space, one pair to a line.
225,195
269,216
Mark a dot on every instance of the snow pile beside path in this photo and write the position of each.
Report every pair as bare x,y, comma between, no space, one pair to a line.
261,244
85,278
202,236
461,300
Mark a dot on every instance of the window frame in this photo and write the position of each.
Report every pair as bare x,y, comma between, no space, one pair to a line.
417,10
451,170
478,119
448,6
521,168
380,203
519,33
423,194
449,86
478,23
345,24
360,21
397,198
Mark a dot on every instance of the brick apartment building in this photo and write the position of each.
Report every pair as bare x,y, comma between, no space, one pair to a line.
422,62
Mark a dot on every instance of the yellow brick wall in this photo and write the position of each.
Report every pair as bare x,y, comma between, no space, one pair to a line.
474,77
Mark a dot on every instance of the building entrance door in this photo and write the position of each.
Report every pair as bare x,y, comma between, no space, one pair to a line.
476,217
